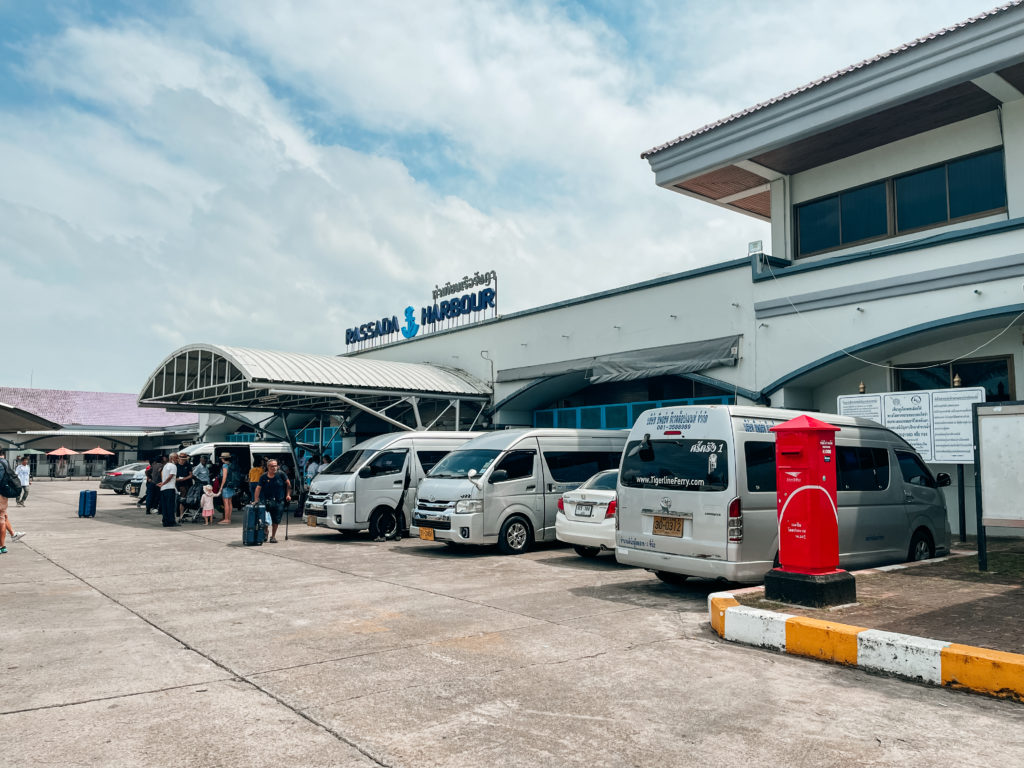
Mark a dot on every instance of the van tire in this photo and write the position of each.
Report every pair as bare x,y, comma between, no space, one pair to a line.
921,546
384,524
588,552
675,579
514,537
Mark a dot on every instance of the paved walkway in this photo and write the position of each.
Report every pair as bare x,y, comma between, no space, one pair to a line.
127,644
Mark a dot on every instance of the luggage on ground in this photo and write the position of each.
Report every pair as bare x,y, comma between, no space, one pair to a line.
254,526
87,504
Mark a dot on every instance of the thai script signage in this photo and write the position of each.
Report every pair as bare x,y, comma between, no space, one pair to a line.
471,299
937,422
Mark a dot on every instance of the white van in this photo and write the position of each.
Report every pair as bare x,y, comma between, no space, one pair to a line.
504,487
712,468
367,485
246,455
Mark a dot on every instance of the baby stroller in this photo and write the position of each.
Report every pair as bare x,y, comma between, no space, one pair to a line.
191,506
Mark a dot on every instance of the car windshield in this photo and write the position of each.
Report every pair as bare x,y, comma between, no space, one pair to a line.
347,463
602,481
458,463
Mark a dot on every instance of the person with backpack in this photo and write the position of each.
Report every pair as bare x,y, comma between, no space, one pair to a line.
10,488
230,480
275,489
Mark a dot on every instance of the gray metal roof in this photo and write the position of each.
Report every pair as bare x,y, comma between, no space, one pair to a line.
207,377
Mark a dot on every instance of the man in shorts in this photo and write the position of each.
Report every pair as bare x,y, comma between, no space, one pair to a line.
275,489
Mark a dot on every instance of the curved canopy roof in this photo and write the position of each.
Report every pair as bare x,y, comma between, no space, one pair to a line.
207,377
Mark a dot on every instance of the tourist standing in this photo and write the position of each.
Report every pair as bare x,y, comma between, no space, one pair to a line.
25,478
168,494
276,491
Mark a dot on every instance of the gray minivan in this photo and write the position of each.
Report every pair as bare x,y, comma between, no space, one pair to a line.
697,494
503,488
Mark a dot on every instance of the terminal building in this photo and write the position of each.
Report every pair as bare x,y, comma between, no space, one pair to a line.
895,193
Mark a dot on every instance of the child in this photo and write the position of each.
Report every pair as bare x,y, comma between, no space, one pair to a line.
207,504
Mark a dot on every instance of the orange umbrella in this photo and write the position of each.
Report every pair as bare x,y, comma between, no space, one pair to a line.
97,451
62,451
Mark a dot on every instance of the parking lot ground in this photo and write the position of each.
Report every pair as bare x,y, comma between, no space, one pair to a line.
128,644
944,599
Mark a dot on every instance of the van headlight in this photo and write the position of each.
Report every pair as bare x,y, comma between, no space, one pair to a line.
468,506
345,497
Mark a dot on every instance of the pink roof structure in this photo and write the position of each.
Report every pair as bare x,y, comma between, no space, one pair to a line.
93,409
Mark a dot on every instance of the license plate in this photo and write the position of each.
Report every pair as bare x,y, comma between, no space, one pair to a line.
668,526
584,510
427,534
311,521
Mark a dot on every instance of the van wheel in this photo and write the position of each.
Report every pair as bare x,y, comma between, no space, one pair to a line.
675,579
921,546
383,524
587,552
514,537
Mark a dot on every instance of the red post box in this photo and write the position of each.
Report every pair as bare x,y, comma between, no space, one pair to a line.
806,487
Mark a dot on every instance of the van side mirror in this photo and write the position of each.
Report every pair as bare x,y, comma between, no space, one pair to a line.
366,472
498,476
942,480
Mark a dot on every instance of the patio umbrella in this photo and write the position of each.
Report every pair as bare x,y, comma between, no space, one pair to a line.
62,451
97,451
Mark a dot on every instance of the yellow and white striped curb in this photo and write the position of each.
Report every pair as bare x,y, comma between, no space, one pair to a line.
995,673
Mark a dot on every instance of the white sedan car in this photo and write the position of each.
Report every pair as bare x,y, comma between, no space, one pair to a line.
586,516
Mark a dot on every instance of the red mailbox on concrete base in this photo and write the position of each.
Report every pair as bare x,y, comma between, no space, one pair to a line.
805,460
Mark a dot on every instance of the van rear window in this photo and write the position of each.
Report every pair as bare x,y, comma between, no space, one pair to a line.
676,465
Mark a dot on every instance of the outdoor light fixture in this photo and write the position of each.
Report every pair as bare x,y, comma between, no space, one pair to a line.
861,388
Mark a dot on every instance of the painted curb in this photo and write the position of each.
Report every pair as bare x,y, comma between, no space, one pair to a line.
936,662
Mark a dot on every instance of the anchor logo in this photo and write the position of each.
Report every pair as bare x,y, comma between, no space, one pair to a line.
411,328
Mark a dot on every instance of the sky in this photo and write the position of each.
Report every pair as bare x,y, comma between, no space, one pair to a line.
268,174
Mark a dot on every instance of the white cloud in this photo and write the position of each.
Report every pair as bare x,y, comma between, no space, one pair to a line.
165,187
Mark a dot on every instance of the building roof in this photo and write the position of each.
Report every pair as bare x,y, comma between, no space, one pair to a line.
92,409
833,76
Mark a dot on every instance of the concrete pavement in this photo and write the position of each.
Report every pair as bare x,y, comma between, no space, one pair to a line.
128,644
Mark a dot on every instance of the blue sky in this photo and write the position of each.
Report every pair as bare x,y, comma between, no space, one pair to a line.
262,173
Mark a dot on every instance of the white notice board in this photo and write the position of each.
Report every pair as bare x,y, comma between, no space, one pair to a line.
937,422
1000,457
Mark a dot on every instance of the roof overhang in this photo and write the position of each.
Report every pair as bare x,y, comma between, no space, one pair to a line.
218,379
13,419
947,77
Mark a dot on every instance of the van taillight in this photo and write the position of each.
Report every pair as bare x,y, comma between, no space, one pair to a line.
561,506
735,521
611,509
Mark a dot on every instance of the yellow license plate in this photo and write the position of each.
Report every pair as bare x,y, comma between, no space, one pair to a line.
311,521
668,526
427,534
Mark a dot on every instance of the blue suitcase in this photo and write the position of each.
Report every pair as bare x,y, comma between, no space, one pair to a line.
87,504
254,525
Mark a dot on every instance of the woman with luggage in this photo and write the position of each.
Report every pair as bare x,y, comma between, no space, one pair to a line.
228,485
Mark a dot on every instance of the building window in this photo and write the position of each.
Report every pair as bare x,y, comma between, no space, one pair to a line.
994,374
961,189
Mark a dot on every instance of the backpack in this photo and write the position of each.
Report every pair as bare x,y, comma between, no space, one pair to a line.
10,485
234,477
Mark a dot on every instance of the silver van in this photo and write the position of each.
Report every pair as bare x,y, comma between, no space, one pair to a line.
697,494
372,485
504,487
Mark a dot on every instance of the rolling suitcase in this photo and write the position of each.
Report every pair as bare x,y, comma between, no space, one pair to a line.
87,504
254,526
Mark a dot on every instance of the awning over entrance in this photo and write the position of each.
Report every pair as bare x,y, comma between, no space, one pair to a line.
17,420
204,377
671,360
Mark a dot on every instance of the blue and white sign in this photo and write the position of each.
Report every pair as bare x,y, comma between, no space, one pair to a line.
471,306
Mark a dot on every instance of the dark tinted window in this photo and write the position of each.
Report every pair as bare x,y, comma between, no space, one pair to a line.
993,374
428,459
677,465
388,463
976,184
921,199
864,213
577,466
861,469
818,225
543,418
760,456
914,471
518,464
